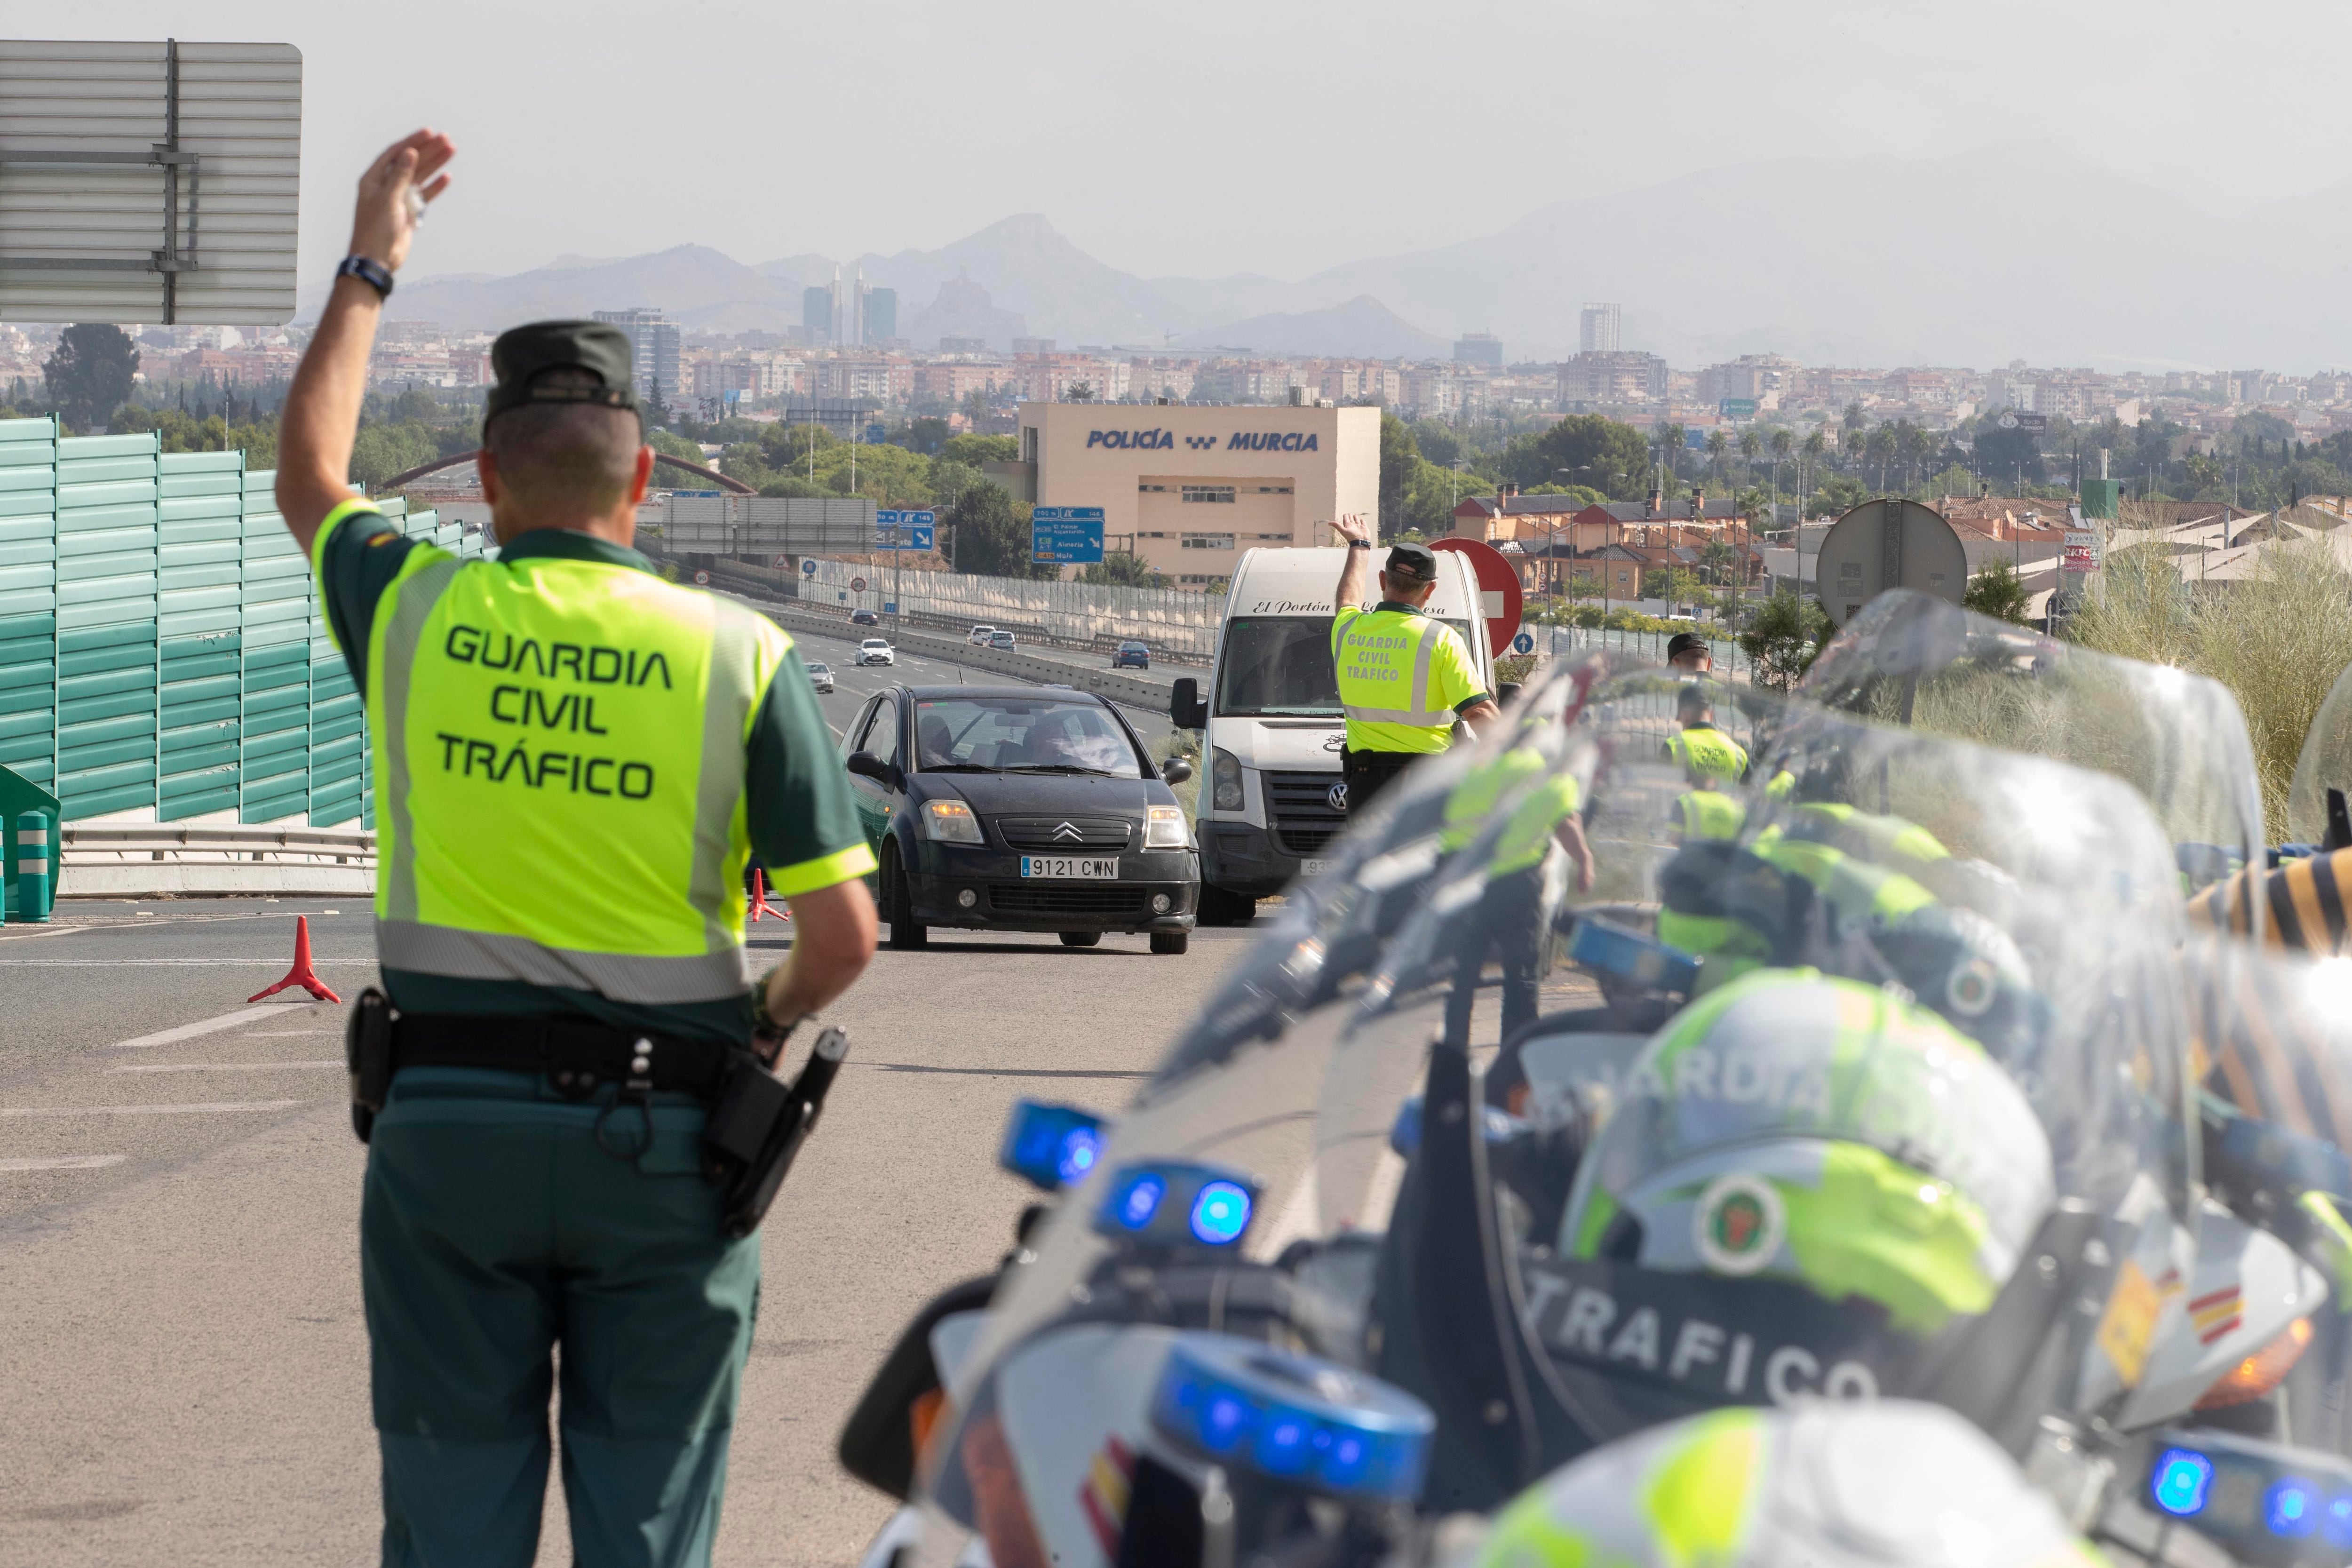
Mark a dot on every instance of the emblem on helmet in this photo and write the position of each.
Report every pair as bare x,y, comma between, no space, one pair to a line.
1739,1224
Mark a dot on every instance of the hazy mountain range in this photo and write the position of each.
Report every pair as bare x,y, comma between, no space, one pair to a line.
2015,252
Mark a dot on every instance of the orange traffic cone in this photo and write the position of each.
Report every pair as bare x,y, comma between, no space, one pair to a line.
758,897
301,975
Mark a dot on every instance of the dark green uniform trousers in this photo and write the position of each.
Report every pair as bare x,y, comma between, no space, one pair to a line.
495,1228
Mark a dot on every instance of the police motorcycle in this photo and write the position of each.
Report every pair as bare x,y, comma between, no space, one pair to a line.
1323,1288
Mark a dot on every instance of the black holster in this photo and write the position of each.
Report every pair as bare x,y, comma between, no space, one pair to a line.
367,1052
756,1128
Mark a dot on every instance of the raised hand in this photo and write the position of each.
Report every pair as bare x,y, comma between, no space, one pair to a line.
393,193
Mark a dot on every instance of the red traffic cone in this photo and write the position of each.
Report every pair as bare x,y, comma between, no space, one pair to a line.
758,897
301,975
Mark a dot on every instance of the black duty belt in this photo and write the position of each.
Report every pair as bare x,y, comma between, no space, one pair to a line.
576,1054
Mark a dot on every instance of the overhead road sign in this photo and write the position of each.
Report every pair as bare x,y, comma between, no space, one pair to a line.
1888,543
2033,423
149,181
1066,535
905,530
1500,599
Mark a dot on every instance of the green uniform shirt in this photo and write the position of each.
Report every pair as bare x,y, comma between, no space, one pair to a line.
797,808
1402,678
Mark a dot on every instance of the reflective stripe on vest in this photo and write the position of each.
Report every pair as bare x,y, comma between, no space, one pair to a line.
1367,672
562,750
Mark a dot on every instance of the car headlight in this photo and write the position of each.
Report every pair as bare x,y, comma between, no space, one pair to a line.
1226,780
1163,827
950,822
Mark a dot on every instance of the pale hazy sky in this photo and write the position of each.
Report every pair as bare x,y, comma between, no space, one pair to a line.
1213,137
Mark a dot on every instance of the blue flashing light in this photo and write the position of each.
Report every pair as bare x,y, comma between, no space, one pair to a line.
1220,1213
1294,1418
1136,1205
2291,1508
2335,1524
2183,1482
1051,1146
1080,1148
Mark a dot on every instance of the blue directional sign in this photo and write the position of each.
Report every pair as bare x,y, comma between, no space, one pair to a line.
1523,643
808,567
904,530
1066,535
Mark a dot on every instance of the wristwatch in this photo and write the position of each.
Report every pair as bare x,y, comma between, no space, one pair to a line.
368,270
1360,544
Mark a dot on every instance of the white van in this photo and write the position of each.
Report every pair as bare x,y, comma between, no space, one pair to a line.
1271,751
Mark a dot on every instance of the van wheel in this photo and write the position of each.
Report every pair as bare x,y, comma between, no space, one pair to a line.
898,899
1220,908
1081,938
1171,941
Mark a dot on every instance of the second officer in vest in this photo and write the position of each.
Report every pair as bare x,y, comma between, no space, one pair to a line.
573,761
1404,679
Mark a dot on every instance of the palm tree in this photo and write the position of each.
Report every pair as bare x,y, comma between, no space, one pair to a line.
1880,444
1717,443
1751,446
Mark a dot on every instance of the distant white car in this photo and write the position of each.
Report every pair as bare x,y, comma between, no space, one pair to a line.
821,677
979,636
874,650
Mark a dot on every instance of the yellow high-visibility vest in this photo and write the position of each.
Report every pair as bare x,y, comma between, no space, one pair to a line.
1403,677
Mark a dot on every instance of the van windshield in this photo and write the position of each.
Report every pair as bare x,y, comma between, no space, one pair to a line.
1282,664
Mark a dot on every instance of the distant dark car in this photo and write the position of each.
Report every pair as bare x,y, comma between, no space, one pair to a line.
1020,808
864,617
1131,655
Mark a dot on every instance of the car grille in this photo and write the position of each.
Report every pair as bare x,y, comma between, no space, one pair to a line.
1298,809
1046,832
1065,898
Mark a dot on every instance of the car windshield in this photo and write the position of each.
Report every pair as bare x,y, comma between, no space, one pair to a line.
1282,664
1006,735
820,669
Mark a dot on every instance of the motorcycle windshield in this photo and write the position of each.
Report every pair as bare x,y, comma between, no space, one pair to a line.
2178,739
2325,764
1429,1068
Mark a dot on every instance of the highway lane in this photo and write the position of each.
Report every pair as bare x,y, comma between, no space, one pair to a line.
183,1377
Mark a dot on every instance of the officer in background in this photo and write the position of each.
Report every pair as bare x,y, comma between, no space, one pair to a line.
1705,753
1688,653
1404,679
574,760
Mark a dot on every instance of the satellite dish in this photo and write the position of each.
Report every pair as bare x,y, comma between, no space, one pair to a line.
1888,543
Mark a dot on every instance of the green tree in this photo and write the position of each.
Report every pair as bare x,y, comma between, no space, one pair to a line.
989,532
1783,637
1399,459
1717,446
90,374
1117,569
382,451
1583,449
1999,591
2003,456
974,451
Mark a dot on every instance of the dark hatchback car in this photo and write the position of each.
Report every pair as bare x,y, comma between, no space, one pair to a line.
864,617
1131,655
1020,808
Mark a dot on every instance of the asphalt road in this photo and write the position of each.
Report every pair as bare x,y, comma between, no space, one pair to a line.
183,1369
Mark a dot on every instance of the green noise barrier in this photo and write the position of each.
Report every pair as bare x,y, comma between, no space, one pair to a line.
161,648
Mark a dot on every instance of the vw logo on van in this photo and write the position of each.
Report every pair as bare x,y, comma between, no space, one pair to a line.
1339,797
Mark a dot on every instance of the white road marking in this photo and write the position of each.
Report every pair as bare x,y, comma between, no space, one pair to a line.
196,1108
288,1034
206,1027
169,962
222,1066
64,1163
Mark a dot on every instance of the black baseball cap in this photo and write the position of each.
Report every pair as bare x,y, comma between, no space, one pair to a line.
1682,642
523,355
1416,562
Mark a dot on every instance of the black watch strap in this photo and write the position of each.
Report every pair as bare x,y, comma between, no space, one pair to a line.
368,270
1360,544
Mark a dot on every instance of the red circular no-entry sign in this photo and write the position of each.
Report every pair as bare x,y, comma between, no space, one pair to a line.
1499,595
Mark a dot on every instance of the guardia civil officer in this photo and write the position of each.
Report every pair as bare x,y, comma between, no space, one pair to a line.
1403,678
573,761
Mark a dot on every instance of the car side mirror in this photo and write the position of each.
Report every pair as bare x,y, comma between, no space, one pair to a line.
1175,771
1186,710
866,765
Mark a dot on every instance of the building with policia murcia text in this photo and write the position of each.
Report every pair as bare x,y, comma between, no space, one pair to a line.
1188,488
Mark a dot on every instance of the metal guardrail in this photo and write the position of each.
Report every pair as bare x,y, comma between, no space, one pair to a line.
215,843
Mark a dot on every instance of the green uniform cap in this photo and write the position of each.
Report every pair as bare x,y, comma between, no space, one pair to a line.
1415,561
522,355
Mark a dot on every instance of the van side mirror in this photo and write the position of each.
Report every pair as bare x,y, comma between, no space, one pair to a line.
1175,771
1186,709
1506,693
